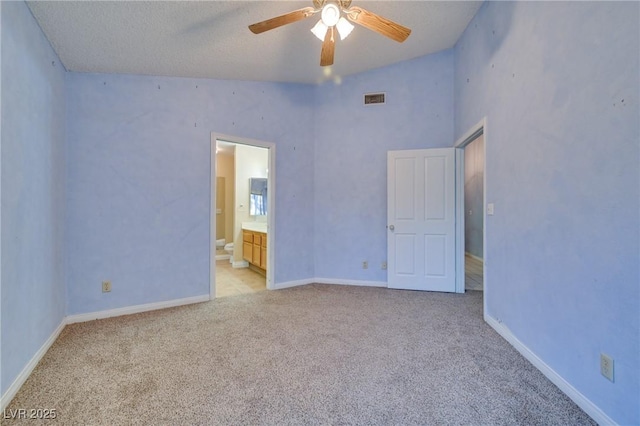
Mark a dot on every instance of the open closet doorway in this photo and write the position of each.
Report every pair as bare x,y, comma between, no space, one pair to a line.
242,215
470,211
474,217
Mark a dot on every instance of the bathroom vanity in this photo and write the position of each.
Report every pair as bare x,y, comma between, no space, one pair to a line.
254,245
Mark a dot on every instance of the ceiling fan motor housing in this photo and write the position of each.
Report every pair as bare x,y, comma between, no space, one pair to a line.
330,14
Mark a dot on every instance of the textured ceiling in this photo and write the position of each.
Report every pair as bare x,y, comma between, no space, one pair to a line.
210,39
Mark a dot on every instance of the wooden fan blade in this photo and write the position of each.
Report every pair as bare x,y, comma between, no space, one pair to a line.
278,21
378,24
328,48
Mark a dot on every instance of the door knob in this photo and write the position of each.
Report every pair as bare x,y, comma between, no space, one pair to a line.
391,227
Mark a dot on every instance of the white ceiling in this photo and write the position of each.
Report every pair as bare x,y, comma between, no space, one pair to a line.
210,39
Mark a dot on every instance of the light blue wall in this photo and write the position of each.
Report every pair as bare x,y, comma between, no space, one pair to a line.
562,170
558,83
1,387
138,187
352,141
33,134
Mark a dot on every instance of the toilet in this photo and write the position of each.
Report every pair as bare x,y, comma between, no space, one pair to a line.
229,247
222,244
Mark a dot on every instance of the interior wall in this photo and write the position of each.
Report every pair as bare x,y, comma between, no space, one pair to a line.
138,176
225,168
221,195
350,166
473,196
250,161
2,389
32,187
558,83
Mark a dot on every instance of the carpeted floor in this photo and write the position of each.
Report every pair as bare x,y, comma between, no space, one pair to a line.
317,354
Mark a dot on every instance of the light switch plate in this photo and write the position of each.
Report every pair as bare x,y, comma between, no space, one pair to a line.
490,209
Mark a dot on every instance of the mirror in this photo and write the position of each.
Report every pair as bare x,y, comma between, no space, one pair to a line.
258,196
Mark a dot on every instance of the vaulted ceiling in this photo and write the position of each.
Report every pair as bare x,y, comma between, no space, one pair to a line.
210,39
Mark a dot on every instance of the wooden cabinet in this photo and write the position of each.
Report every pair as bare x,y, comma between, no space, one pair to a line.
247,246
257,238
263,253
254,248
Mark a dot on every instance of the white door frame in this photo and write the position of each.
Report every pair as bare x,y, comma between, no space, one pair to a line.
271,198
478,129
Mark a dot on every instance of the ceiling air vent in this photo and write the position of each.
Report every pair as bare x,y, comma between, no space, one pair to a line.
374,98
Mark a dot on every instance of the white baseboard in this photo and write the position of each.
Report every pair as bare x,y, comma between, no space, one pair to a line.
479,259
582,401
296,283
128,310
333,281
360,283
240,264
28,369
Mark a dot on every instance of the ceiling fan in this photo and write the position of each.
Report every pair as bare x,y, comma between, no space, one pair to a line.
332,21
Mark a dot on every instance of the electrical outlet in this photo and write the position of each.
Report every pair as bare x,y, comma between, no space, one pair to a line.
106,286
365,265
606,366
383,266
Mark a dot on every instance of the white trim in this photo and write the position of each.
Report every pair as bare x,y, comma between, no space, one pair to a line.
330,281
475,131
128,310
295,283
223,256
471,134
582,401
241,263
460,220
473,256
485,287
271,202
212,217
360,283
28,369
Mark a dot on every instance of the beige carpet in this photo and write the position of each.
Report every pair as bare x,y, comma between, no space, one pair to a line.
316,354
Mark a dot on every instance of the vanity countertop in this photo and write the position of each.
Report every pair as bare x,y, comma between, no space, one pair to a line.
255,226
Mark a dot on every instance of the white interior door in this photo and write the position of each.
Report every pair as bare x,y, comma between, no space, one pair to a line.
421,219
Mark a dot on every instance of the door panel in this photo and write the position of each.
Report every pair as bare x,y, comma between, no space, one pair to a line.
434,259
405,254
421,219
434,196
405,188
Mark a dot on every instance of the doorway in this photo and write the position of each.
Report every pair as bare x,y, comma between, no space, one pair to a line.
241,236
471,212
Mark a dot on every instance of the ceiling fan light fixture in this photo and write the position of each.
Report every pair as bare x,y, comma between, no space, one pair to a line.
344,28
330,14
319,30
